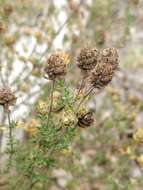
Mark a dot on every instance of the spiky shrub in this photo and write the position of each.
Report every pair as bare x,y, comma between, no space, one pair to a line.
59,119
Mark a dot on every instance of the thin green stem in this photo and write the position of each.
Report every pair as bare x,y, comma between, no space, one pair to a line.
1,76
51,101
10,136
79,90
84,98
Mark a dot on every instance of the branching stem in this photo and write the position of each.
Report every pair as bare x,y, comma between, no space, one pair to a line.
79,90
84,98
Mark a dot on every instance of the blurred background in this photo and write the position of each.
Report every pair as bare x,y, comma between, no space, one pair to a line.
105,156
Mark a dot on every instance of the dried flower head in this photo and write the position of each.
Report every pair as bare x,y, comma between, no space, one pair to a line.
57,102
103,72
139,160
109,56
7,98
42,107
55,67
86,120
73,5
138,136
9,40
68,119
87,60
135,2
8,9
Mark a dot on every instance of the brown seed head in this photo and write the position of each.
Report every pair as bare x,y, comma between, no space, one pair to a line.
74,6
55,67
87,59
103,72
109,56
86,120
9,39
7,98
8,9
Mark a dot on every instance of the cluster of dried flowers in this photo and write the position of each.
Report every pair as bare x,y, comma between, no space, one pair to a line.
100,65
97,68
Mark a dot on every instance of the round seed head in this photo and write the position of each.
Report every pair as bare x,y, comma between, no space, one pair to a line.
103,72
7,98
55,67
87,59
109,56
86,120
8,9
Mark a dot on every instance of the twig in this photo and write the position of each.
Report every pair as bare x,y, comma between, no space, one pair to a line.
83,99
79,90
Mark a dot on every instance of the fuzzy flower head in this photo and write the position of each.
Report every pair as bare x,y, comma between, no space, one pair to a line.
87,60
55,67
103,72
7,98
